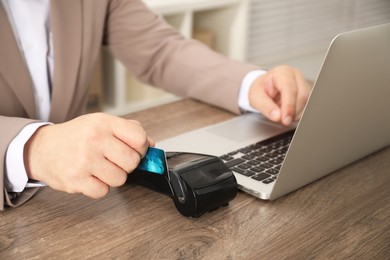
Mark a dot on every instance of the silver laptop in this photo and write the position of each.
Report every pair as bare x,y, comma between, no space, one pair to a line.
346,118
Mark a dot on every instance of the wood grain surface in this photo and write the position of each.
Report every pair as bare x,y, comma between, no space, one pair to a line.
345,215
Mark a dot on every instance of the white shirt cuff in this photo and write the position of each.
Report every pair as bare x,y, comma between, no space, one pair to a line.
16,179
243,97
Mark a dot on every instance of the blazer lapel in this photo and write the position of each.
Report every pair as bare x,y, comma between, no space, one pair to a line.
13,67
66,20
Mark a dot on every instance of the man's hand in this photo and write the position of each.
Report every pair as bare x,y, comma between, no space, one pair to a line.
86,155
280,94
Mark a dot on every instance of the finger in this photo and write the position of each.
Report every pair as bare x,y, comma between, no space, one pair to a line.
151,142
270,109
120,154
131,133
94,188
286,84
134,121
109,173
263,97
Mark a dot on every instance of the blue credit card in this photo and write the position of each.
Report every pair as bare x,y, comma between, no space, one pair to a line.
154,161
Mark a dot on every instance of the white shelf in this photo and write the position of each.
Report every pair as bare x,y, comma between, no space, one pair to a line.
226,19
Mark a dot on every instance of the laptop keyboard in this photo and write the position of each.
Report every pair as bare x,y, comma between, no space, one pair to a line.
261,161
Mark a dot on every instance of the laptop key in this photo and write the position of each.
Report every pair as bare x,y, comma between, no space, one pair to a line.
272,171
234,162
244,166
266,149
258,169
254,162
226,157
262,159
266,165
276,161
257,153
268,181
248,157
271,155
260,176
243,172
245,150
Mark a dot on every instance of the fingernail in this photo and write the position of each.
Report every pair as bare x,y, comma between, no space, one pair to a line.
275,115
287,120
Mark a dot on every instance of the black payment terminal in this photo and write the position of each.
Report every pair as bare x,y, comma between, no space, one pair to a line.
197,183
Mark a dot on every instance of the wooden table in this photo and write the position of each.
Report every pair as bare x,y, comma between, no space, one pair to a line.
344,215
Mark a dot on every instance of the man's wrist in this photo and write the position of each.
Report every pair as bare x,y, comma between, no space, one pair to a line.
243,97
16,178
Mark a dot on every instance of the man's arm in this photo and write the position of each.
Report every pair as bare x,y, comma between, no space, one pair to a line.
159,55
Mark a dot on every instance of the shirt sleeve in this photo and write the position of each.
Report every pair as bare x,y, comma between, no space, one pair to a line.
15,178
243,97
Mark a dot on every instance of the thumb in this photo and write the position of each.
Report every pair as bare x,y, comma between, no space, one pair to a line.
268,107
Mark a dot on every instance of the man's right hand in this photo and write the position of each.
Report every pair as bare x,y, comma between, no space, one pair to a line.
280,94
87,155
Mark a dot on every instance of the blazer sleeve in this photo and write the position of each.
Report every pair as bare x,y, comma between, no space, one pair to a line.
10,127
157,54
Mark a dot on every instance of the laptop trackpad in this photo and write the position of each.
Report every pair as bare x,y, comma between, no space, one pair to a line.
224,137
245,128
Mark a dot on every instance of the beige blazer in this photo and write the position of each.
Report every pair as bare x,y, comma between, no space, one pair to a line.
147,46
